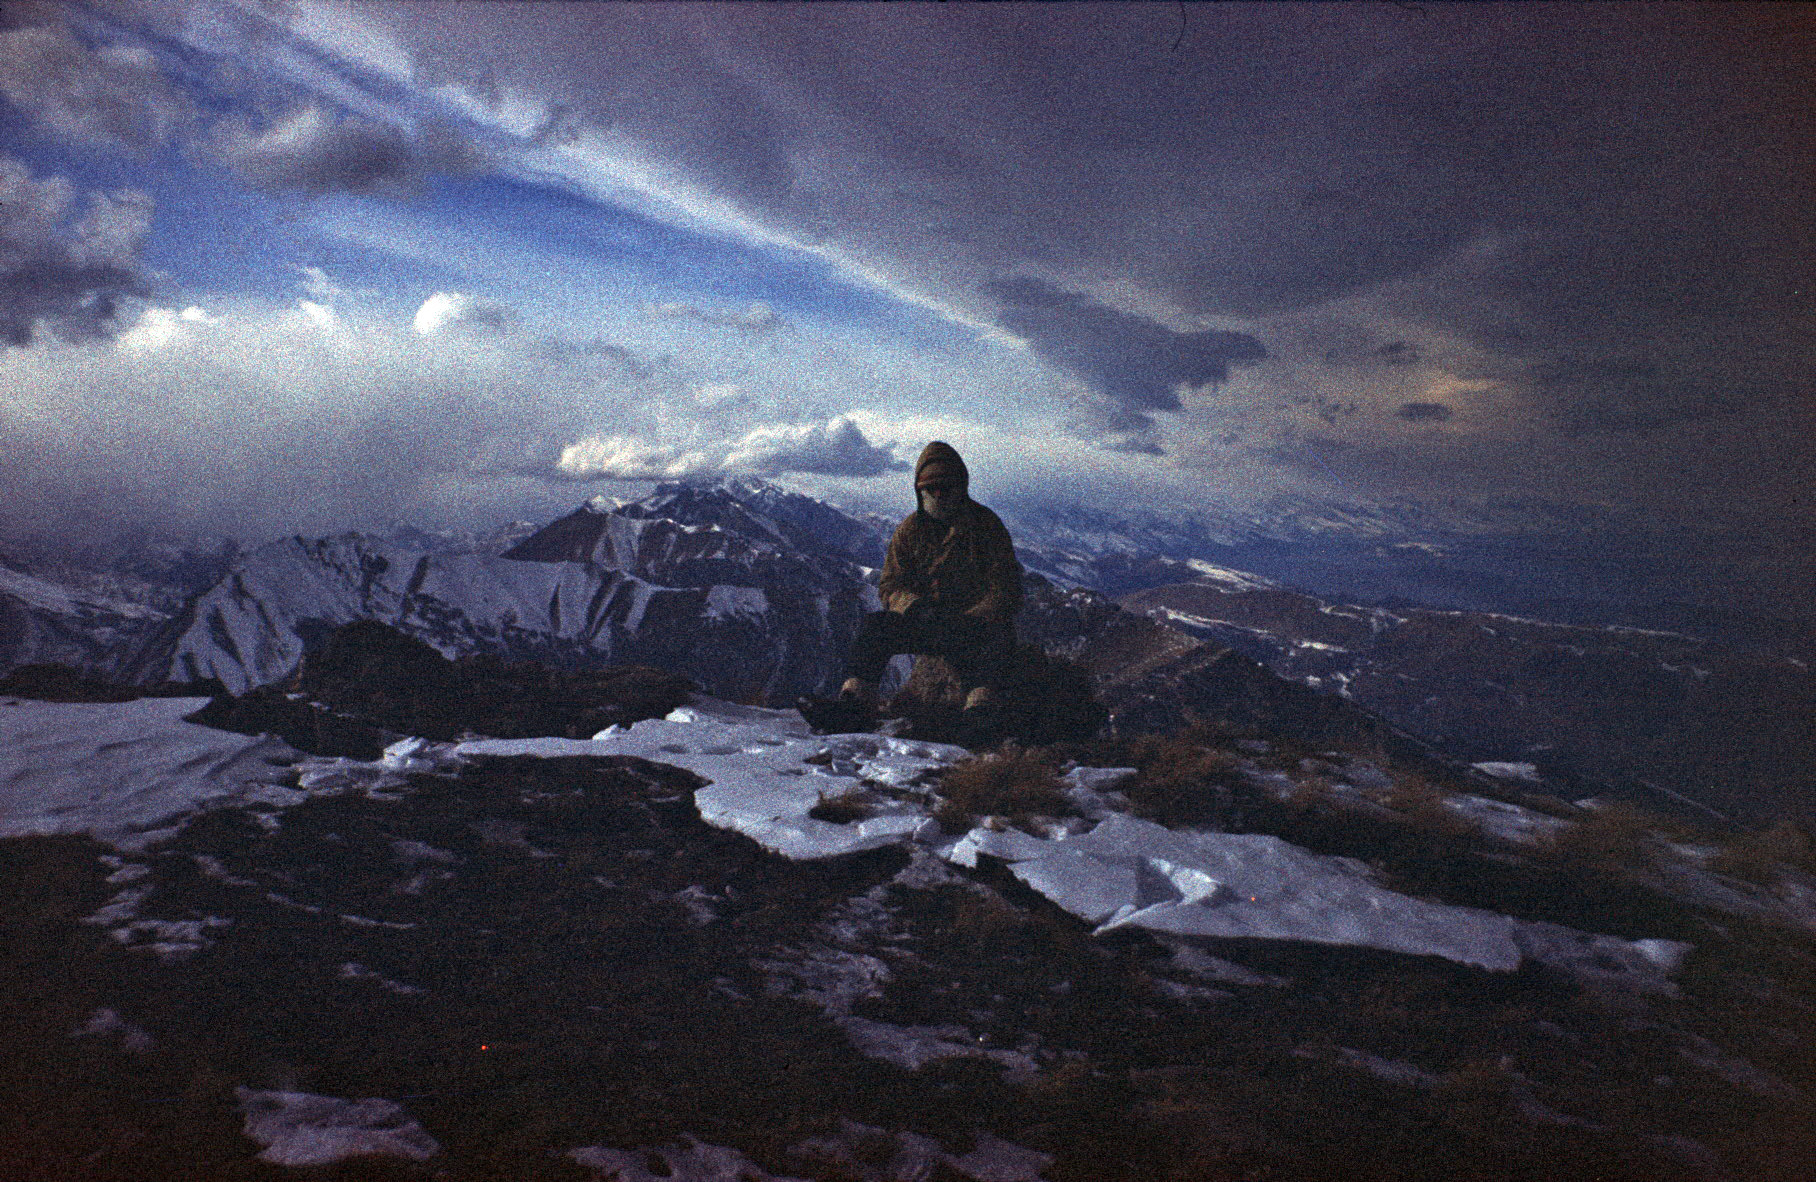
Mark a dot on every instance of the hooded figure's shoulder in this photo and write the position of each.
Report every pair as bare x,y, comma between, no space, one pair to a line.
987,520
910,525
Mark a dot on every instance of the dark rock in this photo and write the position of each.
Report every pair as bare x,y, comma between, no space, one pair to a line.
1049,700
367,684
50,682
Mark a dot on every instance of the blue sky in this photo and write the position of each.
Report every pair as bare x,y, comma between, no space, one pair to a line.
324,265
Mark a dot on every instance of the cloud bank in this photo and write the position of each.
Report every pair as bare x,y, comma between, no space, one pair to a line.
834,448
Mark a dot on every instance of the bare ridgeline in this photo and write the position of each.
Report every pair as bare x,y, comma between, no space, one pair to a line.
464,876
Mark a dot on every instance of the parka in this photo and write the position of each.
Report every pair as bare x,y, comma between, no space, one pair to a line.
963,565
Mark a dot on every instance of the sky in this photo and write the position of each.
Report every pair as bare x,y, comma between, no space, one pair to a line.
305,266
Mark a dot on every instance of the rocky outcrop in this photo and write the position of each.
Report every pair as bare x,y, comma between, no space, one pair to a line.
368,684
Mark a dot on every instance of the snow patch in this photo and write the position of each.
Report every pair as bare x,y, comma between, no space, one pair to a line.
1123,872
724,601
1526,773
858,1150
108,1022
1133,873
301,1129
761,782
125,773
1229,580
692,1161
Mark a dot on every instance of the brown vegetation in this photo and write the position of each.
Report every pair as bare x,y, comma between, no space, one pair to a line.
1613,836
1758,856
1014,782
1422,804
853,804
1182,781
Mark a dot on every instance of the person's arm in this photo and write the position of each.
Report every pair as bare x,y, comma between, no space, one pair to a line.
900,585
1002,574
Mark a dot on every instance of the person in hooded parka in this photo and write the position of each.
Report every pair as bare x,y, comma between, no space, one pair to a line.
951,587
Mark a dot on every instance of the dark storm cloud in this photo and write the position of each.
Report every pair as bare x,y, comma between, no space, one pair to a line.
1425,412
1133,362
113,95
1533,179
1591,397
74,301
315,150
66,263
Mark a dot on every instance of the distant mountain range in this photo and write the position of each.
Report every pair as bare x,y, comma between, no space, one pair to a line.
1731,728
755,591
1572,564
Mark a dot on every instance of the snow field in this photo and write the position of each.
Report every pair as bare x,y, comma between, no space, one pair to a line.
127,772
767,775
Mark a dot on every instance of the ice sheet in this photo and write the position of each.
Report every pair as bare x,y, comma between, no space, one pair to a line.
761,783
123,772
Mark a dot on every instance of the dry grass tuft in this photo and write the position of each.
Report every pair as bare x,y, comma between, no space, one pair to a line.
1069,1084
985,918
853,804
1182,781
1614,836
1422,804
1313,794
1758,856
1012,783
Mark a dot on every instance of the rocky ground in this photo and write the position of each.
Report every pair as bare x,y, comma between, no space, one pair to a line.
548,966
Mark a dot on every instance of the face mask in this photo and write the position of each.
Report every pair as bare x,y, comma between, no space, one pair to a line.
939,507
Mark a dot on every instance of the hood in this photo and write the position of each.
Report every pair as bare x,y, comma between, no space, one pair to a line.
945,456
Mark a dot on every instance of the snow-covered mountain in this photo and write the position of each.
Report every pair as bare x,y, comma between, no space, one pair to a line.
692,534
750,590
93,605
755,592
47,622
1572,564
763,635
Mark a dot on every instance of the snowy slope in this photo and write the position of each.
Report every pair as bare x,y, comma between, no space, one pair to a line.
494,927
46,621
252,628
126,772
1120,872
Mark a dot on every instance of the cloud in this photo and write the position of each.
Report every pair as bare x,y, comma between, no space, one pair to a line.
1447,184
317,284
1425,412
617,457
719,393
61,271
837,447
758,318
457,312
1136,364
114,95
258,423
315,151
833,448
